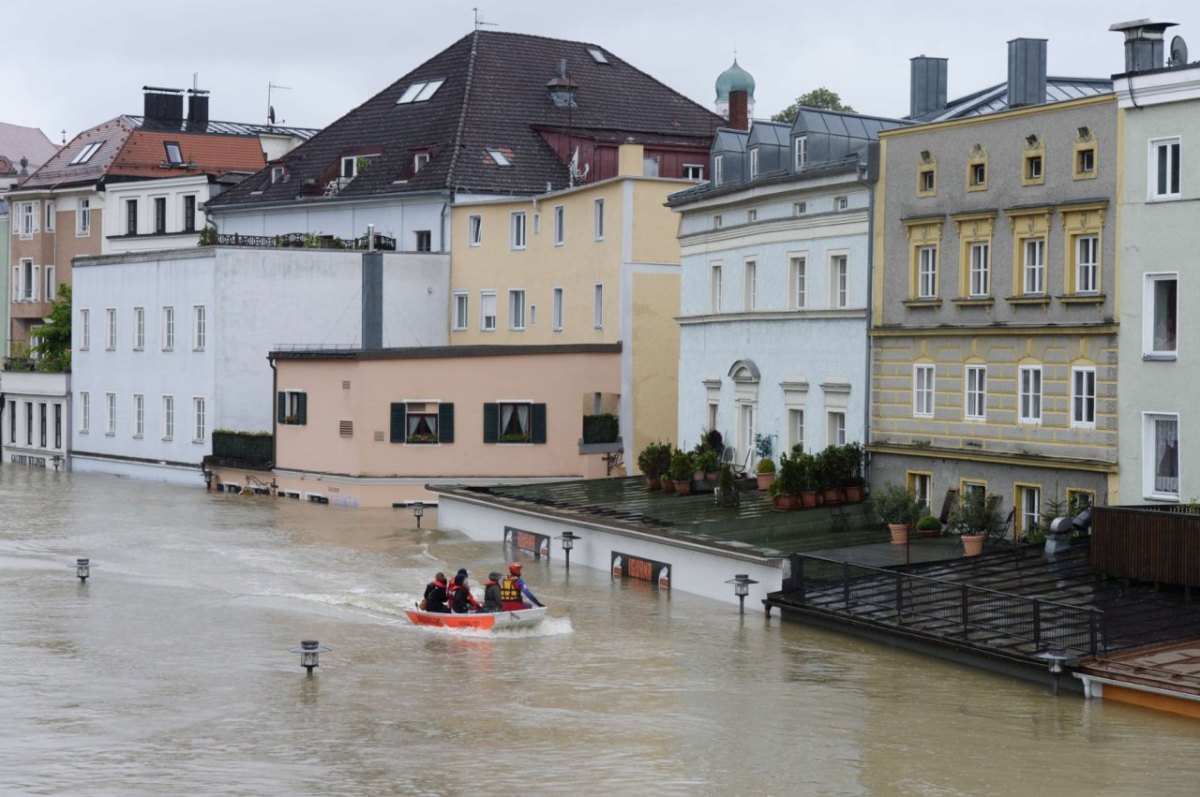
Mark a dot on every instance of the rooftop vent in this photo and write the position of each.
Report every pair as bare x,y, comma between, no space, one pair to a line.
1143,43
561,87
163,105
927,85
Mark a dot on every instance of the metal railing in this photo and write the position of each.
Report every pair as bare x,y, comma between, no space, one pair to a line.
299,240
975,616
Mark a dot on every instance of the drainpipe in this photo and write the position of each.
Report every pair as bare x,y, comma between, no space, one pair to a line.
274,409
864,171
442,227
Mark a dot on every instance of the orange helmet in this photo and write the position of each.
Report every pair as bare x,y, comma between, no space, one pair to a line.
515,568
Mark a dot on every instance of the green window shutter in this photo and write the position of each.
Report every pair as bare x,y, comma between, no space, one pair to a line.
537,423
397,422
302,407
282,406
491,423
445,423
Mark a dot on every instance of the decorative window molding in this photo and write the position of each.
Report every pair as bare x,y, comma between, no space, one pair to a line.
1031,231
924,238
926,174
977,168
1085,156
975,233
1033,161
1083,227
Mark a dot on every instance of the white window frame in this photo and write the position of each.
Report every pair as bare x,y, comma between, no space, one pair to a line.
420,160
839,281
598,306
487,322
924,376
139,328
85,411
29,219
462,309
516,309
1150,318
110,326
139,415
1087,268
798,279
975,392
718,169
516,230
474,230
168,418
51,211
199,327
199,419
795,427
1152,487
598,218
927,283
1029,394
49,278
560,225
168,327
83,218
753,162
714,287
980,282
837,427
1083,397
1033,266
1172,148
1030,496
85,329
110,414
557,310
750,285
800,152
693,171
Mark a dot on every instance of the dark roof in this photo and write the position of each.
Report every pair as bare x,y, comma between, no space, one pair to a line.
995,98
226,128
493,96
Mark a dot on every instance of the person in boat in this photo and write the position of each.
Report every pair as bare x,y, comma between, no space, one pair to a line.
491,593
512,588
461,599
436,594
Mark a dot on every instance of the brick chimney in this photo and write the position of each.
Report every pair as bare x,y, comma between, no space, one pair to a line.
739,118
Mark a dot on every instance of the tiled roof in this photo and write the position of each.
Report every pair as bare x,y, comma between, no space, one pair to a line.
222,128
493,96
58,171
18,142
145,155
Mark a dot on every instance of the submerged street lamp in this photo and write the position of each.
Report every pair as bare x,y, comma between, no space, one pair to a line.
83,569
741,587
310,651
418,508
568,542
1054,662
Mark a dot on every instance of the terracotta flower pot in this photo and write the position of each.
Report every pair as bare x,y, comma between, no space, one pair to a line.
765,479
833,495
854,493
667,484
653,483
683,487
972,544
808,498
899,533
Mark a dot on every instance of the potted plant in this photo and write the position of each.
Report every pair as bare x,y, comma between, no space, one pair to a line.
853,456
706,465
653,462
929,527
727,494
896,506
713,441
765,472
829,471
681,471
788,483
977,514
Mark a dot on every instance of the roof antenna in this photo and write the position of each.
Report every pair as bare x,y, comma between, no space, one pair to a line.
479,22
271,108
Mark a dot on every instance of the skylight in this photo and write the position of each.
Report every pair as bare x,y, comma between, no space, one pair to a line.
420,91
499,157
174,153
597,54
85,154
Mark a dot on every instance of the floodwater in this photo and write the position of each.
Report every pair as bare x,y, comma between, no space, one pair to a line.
169,672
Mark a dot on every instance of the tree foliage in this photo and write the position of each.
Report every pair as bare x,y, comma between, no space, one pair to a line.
817,98
54,338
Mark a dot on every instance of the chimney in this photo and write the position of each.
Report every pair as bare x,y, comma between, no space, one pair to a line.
372,298
1143,43
163,105
739,118
927,85
1026,72
197,115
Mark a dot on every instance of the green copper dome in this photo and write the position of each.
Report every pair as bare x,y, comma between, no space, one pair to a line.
732,79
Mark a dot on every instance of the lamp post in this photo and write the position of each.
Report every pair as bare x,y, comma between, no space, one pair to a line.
83,569
741,587
568,542
310,651
418,508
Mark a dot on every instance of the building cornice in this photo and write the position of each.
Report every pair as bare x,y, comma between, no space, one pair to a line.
1030,460
849,314
994,330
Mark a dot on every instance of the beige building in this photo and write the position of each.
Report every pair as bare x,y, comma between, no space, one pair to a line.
593,264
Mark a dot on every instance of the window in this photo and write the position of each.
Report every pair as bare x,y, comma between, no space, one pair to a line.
84,155
85,411
693,171
424,240
1030,394
977,177
975,400
717,221
1033,169
58,412
29,423
51,212
51,285
514,422
1085,162
980,284
517,231
199,327
559,225
926,176
750,288
189,213
420,91
349,169
168,328
753,162
461,308
516,309
168,417
1087,264
110,338
1083,397
160,214
12,422
85,330
799,282
42,424
1033,271
795,428
598,307
199,428
139,415
718,170
474,230
83,218
1159,316
110,406
291,408
801,152
419,161
28,219
1079,500
839,285
139,328
131,216
498,157
1160,455
597,55
841,203
922,486
277,173
923,391
598,218
25,281
558,310
799,208
837,428
650,166
927,284
1164,168
1029,500
751,216
423,422
487,311
714,288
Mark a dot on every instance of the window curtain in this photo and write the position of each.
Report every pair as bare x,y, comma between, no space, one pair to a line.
514,420
1166,457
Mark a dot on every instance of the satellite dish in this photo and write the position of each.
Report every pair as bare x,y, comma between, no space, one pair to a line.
1179,53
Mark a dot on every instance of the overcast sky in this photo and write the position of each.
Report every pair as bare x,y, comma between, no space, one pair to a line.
70,64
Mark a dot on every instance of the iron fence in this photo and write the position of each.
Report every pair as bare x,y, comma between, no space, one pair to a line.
299,240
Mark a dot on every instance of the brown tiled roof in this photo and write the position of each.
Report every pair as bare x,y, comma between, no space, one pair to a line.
58,171
144,155
494,95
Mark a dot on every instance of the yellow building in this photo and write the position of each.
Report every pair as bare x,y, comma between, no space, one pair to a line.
596,263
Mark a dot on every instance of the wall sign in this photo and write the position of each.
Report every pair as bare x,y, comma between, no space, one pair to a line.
635,567
528,542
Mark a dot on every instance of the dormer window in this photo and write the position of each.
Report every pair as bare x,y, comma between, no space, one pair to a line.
277,173
419,161
753,162
420,91
354,165
84,155
499,157
174,153
718,169
801,152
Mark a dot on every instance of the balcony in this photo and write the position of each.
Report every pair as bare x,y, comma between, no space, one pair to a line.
299,240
